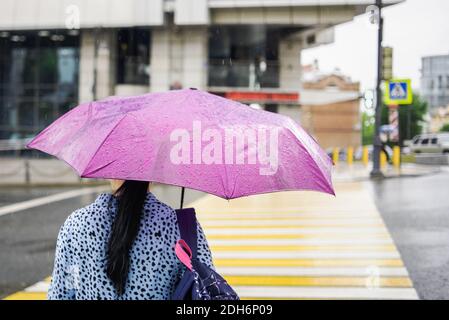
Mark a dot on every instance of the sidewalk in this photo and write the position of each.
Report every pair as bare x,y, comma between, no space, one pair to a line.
299,245
44,172
359,172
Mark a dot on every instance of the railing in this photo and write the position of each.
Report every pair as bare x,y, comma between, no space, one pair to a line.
20,165
13,144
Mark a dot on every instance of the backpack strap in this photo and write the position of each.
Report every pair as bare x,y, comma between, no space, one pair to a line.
188,227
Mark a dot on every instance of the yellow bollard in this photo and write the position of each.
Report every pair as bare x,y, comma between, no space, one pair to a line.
396,156
335,157
350,155
383,159
365,155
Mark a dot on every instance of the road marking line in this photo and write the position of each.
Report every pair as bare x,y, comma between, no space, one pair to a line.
299,226
289,242
265,292
262,209
49,199
288,223
295,230
274,236
289,216
220,262
41,286
395,282
304,255
312,271
22,295
299,248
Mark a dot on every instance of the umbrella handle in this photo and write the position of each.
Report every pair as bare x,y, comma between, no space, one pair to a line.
182,197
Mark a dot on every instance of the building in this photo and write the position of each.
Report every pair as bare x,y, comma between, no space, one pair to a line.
438,119
330,109
55,54
435,81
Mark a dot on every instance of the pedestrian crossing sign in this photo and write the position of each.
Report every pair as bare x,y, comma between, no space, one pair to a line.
398,91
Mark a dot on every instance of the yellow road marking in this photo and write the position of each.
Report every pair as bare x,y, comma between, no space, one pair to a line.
339,248
308,262
379,235
206,218
23,295
288,298
290,226
396,282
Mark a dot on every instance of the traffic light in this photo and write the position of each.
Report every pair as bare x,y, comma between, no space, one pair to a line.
387,63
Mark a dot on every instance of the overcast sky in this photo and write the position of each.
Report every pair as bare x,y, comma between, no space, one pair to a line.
414,29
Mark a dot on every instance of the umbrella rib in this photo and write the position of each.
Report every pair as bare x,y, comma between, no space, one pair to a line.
322,176
104,140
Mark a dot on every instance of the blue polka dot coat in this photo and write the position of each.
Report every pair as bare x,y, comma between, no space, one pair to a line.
80,259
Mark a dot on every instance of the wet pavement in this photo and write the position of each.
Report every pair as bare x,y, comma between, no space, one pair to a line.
28,238
416,212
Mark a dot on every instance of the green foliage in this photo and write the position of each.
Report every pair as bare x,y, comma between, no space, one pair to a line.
367,129
445,128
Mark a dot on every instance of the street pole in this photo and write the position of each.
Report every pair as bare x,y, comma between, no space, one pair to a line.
409,119
95,67
376,172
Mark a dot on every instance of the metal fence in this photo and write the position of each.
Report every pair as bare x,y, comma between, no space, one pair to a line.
19,165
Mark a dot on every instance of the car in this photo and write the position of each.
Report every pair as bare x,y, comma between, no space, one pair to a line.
430,143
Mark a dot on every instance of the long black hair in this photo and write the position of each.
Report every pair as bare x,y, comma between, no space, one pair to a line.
131,197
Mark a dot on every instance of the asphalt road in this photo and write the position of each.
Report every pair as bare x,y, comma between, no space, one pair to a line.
416,211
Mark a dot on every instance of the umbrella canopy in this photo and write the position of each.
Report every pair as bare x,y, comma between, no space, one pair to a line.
188,138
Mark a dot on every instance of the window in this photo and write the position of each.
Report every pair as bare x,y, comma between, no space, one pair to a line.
38,79
425,141
434,141
243,57
133,56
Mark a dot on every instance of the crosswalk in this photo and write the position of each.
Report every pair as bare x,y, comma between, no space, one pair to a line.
304,245
299,245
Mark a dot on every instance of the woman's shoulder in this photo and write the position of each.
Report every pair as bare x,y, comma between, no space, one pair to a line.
91,214
156,207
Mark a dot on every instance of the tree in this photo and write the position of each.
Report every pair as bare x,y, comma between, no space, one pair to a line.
410,118
367,128
445,128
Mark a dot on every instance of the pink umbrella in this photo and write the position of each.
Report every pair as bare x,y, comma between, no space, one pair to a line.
188,138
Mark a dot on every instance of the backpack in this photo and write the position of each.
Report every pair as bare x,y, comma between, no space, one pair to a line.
199,281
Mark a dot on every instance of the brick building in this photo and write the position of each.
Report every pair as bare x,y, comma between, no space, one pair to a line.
330,110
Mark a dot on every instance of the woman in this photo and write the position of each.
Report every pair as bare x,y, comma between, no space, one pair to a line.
120,247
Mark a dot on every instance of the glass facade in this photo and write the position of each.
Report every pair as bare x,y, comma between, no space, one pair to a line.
244,56
38,80
435,81
133,63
